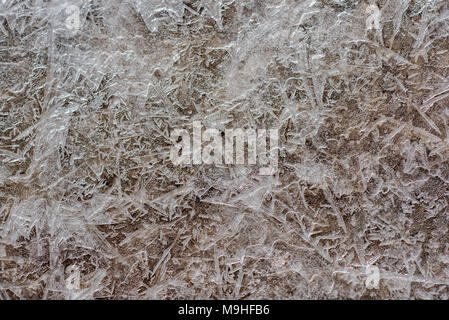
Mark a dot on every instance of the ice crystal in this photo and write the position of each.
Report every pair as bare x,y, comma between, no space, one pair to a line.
91,206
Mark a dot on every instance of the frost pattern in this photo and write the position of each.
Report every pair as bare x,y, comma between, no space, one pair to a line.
358,89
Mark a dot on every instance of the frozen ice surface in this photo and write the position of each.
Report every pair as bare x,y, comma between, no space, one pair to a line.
91,206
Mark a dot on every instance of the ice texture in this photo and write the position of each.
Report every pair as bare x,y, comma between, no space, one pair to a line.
90,91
